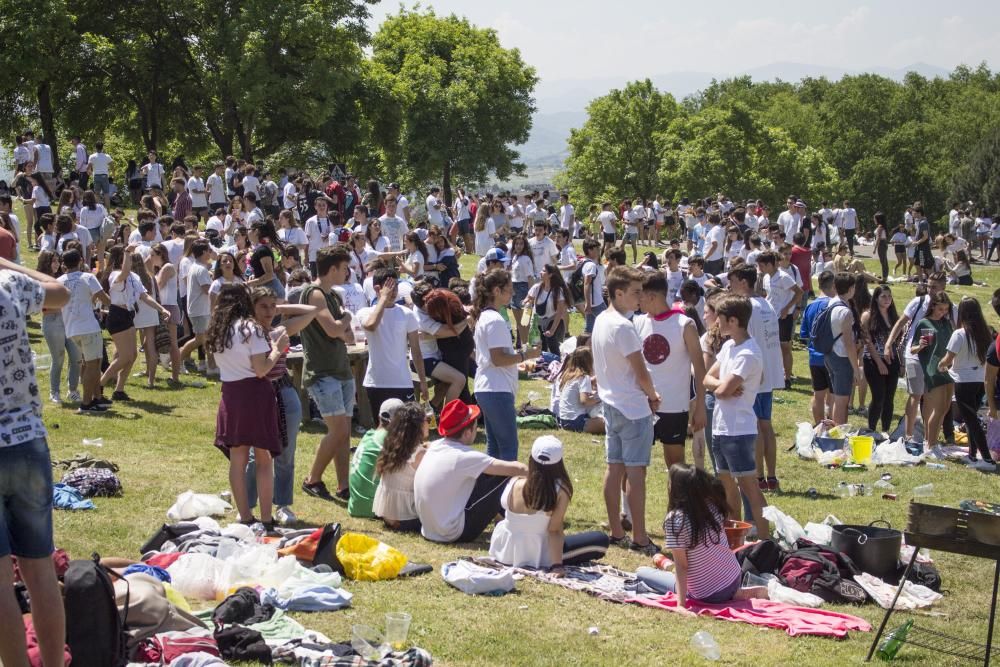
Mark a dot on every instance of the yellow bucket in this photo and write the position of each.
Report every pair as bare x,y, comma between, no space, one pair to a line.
861,448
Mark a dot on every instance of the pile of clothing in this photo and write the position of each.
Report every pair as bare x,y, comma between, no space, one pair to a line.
85,477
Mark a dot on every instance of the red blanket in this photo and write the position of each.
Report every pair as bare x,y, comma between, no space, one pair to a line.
793,620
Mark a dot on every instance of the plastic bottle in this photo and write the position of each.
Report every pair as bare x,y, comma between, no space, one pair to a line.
890,647
845,490
93,442
923,491
704,644
936,466
431,417
884,484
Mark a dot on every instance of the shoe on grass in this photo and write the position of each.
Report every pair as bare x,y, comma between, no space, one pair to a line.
317,490
120,396
73,397
285,516
648,549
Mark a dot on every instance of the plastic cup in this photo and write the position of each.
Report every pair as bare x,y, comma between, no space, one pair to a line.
43,362
397,627
753,581
368,642
861,448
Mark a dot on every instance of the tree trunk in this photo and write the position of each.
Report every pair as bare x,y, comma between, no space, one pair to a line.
222,139
446,183
246,145
48,123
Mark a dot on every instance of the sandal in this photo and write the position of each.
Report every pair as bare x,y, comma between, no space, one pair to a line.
624,542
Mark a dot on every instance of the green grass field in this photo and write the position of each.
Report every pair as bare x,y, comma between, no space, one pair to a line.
163,443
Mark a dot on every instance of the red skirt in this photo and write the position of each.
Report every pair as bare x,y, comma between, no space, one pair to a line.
248,416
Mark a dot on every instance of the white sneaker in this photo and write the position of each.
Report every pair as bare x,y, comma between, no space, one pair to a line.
285,516
54,397
985,466
936,453
73,397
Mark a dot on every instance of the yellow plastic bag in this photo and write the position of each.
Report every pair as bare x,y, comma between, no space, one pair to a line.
366,559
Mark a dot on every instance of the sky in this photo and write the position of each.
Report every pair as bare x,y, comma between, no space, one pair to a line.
587,39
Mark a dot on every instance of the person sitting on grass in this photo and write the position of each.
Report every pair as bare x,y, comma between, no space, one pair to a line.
574,396
402,451
457,489
363,479
694,530
531,534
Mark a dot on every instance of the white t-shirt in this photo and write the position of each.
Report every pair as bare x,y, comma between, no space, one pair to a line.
789,223
717,235
567,256
613,339
126,293
484,237
353,297
78,313
251,184
154,175
429,327
393,229
837,318
764,330
92,219
735,415
101,162
219,283
198,303
544,298
570,404
566,213
522,269
544,251
442,486
293,236
388,361
849,217
288,196
216,189
317,232
492,331
44,165
609,223
234,361
667,359
433,213
199,197
416,260
966,367
595,270
41,198
779,289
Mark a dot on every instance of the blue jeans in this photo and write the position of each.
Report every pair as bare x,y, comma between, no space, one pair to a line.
284,465
59,347
594,312
26,500
501,423
666,582
709,413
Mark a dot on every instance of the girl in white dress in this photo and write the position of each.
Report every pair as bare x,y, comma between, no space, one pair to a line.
402,452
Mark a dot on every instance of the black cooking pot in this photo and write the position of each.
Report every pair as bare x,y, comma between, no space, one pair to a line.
874,550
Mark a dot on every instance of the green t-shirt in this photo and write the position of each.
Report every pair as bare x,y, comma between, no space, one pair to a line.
363,479
932,355
323,356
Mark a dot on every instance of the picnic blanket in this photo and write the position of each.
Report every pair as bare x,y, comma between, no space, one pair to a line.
795,621
602,581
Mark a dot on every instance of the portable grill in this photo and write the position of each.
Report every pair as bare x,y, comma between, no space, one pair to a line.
956,531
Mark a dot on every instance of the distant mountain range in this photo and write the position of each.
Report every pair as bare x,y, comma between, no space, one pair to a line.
562,103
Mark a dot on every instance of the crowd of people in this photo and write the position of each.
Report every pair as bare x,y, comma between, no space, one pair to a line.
246,267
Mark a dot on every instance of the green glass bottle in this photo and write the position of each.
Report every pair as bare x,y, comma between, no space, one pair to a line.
890,647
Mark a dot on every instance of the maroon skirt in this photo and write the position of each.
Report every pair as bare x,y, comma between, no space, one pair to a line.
248,416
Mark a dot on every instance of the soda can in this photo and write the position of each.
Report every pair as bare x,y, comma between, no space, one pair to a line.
888,496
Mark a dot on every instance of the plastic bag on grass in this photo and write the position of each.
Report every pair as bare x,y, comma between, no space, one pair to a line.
366,559
819,533
893,453
788,529
190,505
804,441
779,593
194,575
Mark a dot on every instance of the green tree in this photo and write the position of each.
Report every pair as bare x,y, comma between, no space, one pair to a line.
979,180
613,155
462,100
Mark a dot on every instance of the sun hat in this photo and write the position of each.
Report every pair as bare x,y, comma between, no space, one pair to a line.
455,416
547,449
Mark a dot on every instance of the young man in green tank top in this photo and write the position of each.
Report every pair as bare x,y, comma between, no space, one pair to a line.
327,371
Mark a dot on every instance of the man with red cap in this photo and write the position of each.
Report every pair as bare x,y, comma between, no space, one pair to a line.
457,488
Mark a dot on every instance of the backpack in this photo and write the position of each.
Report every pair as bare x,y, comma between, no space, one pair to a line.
95,630
576,284
821,336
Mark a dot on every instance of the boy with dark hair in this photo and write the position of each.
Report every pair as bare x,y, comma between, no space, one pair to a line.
672,353
629,399
326,370
83,328
593,284
783,293
817,363
736,378
842,363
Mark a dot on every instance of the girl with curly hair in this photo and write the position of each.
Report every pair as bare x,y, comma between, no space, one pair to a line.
402,451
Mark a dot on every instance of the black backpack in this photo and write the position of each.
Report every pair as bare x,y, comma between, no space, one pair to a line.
576,284
95,631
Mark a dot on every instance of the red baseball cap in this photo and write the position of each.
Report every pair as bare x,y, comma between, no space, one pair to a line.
455,416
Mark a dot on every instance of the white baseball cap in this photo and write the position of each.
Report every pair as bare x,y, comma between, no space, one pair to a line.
547,449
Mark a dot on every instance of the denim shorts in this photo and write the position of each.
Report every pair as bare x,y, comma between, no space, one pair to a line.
199,323
763,404
735,454
576,424
520,294
26,500
102,184
90,345
841,374
628,441
333,397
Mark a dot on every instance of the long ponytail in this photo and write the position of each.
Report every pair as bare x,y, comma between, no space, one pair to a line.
485,284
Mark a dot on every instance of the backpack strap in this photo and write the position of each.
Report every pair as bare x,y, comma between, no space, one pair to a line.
96,557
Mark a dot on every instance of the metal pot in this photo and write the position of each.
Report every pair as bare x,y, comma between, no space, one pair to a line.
874,550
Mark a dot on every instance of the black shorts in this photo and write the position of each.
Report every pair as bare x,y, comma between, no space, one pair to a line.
820,378
120,319
465,226
199,210
671,428
923,256
609,238
899,249
785,326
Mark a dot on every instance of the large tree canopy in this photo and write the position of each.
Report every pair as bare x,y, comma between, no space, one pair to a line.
453,101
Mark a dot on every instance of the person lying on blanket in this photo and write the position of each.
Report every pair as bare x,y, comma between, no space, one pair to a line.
706,569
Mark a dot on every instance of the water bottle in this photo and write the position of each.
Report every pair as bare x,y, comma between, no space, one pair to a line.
936,466
845,490
430,416
923,491
890,647
704,644
93,442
